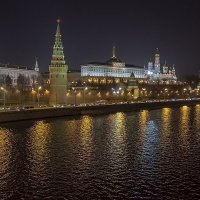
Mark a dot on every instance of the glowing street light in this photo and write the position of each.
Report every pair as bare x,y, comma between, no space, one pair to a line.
4,96
74,95
33,92
84,94
38,95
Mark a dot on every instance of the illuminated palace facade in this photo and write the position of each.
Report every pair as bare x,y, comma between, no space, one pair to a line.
114,70
13,71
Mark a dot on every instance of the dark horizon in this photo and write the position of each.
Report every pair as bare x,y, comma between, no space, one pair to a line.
90,29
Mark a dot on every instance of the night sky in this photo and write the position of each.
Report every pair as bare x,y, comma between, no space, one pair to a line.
90,28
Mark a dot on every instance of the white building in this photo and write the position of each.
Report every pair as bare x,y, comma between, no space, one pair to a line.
13,71
114,67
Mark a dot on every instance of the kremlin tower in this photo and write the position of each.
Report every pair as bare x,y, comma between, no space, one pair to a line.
36,66
157,62
58,72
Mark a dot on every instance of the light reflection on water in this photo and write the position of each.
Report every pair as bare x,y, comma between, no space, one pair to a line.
184,126
148,154
197,118
38,134
5,160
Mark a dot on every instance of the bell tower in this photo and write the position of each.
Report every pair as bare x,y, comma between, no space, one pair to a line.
157,61
58,72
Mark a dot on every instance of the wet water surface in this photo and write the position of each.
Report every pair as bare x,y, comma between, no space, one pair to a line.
140,155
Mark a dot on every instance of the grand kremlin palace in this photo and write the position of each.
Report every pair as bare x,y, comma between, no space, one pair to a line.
114,70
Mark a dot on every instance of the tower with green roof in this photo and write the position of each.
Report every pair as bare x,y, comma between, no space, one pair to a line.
58,72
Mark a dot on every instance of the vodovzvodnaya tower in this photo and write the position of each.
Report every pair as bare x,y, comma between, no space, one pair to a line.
58,72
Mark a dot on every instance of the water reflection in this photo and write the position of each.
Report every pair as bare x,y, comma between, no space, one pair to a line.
119,124
39,154
149,134
85,137
197,118
137,155
143,125
39,138
184,125
166,123
86,132
143,119
116,130
5,160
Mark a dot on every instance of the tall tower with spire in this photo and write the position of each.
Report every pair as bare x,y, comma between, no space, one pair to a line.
36,66
58,72
157,61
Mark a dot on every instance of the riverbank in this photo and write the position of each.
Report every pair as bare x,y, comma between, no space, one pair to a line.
42,113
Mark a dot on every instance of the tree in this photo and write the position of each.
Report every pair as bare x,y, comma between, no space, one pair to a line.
2,79
8,81
22,82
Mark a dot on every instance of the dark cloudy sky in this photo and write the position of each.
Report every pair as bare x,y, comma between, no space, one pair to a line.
90,28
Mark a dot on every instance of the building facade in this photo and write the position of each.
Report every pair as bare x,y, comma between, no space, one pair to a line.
14,71
58,72
112,70
115,69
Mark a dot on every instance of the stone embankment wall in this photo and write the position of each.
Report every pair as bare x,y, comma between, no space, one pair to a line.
97,109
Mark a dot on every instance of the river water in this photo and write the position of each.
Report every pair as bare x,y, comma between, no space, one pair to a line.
149,154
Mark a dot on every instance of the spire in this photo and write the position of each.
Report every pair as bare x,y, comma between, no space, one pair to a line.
58,28
36,65
114,54
58,54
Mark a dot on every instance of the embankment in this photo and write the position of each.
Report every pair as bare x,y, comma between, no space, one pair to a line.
83,110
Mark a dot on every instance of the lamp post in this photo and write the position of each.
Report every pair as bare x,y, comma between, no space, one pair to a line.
33,93
47,96
74,95
4,97
165,93
84,94
143,93
38,95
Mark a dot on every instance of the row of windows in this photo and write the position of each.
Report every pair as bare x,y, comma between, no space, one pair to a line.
14,74
104,70
57,75
112,72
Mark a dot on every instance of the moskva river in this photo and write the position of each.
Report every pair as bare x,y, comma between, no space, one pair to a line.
149,154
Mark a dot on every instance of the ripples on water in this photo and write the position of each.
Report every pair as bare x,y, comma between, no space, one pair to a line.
140,155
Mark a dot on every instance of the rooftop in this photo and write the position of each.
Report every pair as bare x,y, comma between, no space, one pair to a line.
15,66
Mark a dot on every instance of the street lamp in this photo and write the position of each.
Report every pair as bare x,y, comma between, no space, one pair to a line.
4,96
84,94
74,95
143,93
33,93
165,93
38,95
